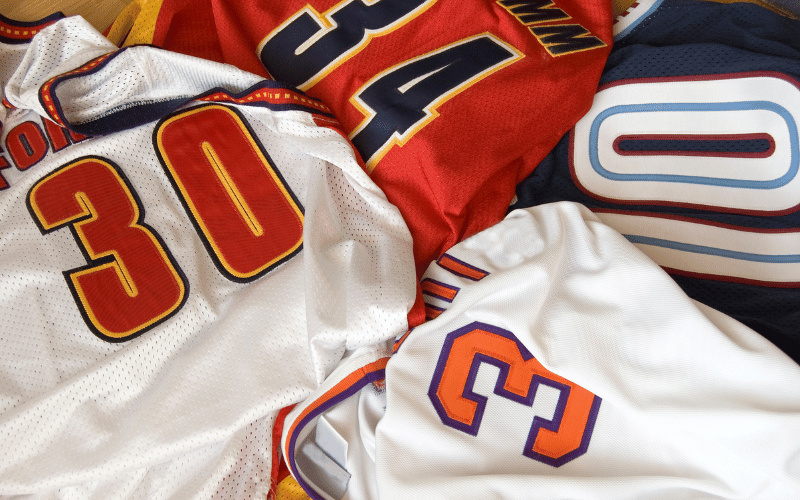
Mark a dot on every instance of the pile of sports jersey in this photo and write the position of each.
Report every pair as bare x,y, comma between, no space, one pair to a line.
190,256
402,249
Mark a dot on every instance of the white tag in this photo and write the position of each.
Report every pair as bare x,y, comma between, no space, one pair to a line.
331,442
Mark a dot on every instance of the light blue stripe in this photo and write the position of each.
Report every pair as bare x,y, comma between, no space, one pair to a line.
622,34
692,179
719,252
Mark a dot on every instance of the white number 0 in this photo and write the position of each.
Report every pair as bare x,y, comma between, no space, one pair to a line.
752,108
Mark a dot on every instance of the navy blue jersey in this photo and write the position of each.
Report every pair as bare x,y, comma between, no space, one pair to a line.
691,151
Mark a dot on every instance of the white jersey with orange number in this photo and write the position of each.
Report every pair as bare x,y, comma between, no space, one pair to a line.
560,363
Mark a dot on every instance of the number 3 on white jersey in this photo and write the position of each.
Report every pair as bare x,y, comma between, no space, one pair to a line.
667,141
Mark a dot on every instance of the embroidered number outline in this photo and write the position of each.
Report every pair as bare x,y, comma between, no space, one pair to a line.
309,45
131,282
248,218
554,442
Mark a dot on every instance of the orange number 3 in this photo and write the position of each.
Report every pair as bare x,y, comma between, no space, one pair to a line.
554,442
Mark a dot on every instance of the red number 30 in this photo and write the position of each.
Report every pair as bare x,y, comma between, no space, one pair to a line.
247,216
131,283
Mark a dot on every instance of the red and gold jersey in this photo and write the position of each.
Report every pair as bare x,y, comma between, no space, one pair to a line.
450,104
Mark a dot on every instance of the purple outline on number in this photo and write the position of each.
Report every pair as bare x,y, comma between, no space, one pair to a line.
527,400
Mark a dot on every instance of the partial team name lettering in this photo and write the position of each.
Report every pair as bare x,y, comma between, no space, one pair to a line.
557,39
27,144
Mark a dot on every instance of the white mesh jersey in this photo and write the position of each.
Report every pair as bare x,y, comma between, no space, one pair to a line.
169,283
560,363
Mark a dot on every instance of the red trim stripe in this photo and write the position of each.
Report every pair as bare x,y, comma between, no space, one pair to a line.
21,32
277,96
46,91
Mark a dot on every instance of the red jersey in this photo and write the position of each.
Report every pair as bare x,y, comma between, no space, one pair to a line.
450,104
